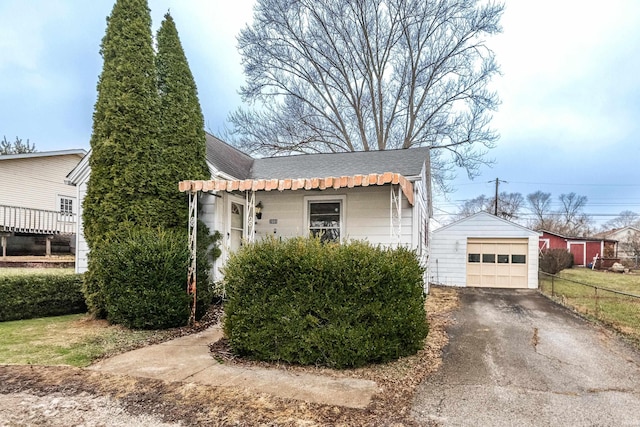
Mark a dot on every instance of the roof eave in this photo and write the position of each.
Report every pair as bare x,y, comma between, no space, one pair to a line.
79,151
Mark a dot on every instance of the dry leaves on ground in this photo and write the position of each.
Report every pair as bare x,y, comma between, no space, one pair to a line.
193,404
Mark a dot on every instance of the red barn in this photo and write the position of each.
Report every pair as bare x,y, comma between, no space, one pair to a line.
584,249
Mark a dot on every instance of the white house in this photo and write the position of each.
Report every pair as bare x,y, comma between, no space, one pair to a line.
379,196
34,199
483,250
628,238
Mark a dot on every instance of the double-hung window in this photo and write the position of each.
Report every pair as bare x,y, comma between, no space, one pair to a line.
325,219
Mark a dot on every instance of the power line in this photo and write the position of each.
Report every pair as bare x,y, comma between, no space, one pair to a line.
578,184
582,184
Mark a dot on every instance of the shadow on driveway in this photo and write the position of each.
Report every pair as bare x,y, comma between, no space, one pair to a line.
517,359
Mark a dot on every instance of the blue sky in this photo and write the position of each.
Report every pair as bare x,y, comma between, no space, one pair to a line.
569,119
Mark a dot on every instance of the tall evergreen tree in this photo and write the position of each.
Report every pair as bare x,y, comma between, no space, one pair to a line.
148,133
125,178
181,122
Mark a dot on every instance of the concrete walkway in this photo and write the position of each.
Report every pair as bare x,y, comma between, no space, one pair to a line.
187,359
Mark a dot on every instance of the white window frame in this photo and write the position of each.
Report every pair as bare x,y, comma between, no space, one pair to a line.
60,199
342,199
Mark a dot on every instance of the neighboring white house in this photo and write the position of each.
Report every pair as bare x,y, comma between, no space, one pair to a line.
628,242
34,199
484,250
379,196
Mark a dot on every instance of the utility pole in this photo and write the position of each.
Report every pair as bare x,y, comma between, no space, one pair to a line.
495,205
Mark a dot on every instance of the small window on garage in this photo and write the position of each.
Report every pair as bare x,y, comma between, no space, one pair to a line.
503,259
518,259
489,258
474,257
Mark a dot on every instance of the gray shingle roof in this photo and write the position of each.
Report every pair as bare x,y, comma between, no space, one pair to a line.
405,162
241,166
227,158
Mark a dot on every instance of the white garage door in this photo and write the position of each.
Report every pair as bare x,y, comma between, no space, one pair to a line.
497,263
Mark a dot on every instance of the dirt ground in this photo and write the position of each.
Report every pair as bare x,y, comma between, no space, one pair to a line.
63,396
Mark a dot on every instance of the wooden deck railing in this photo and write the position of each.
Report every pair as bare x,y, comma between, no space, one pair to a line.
36,221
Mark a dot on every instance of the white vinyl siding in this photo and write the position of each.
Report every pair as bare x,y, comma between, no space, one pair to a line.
82,248
36,182
369,216
449,252
366,214
282,214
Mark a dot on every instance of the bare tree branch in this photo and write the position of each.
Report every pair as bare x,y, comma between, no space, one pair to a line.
370,75
16,147
509,205
539,204
624,219
568,220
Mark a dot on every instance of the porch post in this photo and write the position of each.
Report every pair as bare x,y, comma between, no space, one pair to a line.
395,214
251,215
48,246
193,231
4,244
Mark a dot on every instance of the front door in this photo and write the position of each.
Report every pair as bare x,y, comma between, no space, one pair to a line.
236,223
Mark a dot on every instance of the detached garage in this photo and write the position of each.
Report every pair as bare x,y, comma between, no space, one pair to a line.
484,251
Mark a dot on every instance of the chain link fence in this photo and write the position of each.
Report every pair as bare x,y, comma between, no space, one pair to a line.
616,309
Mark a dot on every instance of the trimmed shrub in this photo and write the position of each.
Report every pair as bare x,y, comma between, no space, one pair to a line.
142,275
40,295
93,286
92,290
553,261
301,301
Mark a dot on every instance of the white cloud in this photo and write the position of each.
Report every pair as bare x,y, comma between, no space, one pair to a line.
568,67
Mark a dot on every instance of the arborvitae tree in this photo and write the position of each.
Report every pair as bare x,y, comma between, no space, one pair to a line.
181,121
125,177
147,135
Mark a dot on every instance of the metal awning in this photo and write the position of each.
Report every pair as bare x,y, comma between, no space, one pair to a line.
301,184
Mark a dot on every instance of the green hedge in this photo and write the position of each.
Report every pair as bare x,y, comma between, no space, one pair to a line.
141,279
301,301
40,295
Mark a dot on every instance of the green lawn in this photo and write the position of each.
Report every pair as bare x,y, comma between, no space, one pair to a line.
621,312
621,282
75,340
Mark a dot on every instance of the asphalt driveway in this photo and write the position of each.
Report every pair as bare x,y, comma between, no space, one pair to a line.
517,359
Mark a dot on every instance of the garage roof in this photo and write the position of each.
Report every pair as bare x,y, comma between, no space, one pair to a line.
492,217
